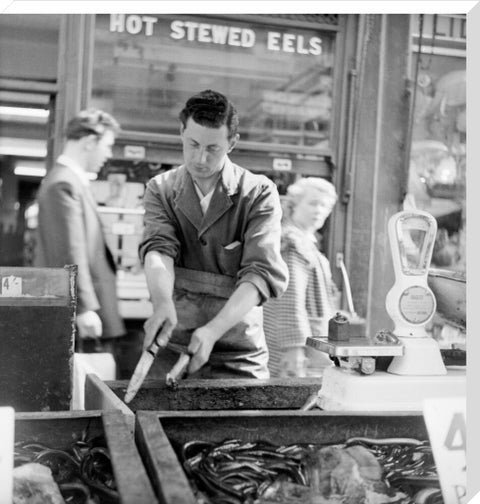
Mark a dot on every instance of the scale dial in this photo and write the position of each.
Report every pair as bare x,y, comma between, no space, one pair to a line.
416,304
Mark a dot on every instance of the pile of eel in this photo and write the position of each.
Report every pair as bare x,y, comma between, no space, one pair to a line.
80,474
359,471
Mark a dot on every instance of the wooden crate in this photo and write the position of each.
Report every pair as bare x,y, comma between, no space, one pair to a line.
37,314
60,429
160,436
215,394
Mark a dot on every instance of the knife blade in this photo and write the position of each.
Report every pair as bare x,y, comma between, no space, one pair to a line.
141,371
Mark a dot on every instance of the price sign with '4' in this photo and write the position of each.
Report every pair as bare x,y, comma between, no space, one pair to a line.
447,429
11,286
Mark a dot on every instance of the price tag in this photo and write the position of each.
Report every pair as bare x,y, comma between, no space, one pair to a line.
7,432
11,286
123,228
447,430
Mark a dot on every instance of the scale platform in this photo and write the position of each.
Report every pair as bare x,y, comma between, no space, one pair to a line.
355,347
345,390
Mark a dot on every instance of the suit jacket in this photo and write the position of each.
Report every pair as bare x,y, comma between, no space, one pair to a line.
70,232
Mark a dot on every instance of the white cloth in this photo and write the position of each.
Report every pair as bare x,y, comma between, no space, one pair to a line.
101,364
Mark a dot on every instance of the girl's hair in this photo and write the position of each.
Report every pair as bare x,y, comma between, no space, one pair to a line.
297,190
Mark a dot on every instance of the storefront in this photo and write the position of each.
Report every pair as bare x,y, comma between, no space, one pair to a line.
321,95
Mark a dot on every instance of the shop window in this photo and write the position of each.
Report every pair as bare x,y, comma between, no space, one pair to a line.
280,78
438,153
437,175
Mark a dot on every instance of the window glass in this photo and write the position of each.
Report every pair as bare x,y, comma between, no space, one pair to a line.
438,154
438,159
280,78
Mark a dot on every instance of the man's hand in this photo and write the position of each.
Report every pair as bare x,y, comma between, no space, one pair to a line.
164,317
201,345
89,325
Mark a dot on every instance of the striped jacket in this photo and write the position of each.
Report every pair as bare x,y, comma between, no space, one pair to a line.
309,294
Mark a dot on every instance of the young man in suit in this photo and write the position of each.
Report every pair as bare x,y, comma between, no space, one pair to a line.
70,230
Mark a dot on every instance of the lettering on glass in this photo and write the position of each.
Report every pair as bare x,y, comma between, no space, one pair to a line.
208,33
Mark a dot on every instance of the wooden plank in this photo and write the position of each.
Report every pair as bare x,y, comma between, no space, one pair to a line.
160,432
130,475
57,429
98,396
166,474
218,394
39,283
60,429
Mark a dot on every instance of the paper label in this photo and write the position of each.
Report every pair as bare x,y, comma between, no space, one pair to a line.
447,429
11,286
123,228
7,431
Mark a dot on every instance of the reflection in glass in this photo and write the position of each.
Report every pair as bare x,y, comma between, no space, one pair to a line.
415,240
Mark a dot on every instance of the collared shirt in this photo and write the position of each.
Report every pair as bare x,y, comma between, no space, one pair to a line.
73,165
204,200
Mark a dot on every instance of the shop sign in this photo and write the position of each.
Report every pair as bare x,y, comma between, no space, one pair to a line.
7,426
134,152
446,424
221,34
282,164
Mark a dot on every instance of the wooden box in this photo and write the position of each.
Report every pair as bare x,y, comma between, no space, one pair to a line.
37,316
60,429
215,394
160,436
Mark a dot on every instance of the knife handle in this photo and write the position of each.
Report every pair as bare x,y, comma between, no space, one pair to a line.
153,348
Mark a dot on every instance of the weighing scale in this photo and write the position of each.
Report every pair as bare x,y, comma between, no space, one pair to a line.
417,370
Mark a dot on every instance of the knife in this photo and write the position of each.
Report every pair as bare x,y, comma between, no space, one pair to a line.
141,371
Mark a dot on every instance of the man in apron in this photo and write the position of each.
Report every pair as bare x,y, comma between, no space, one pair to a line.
211,250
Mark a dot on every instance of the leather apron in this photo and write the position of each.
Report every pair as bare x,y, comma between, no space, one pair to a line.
242,351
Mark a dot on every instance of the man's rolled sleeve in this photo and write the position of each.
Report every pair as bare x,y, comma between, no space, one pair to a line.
262,263
159,231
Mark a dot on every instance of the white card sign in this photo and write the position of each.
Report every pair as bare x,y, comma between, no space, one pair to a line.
447,429
7,426
11,286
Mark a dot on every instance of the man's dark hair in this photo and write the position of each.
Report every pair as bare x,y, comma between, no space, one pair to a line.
211,109
90,122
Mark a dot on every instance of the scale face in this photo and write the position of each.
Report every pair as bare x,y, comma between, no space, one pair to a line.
410,303
414,236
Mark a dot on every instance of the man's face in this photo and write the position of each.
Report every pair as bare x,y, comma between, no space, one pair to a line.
100,150
205,149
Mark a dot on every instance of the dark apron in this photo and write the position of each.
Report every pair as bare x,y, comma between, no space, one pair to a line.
241,352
